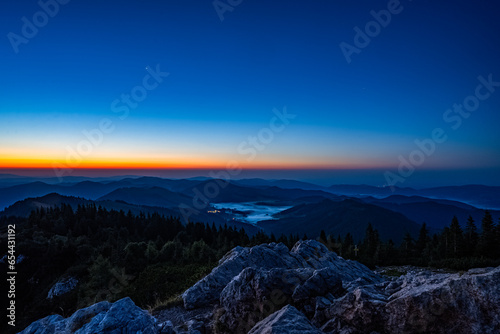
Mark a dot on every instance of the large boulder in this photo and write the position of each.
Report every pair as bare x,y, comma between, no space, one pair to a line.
359,311
48,325
57,324
446,303
122,316
288,320
207,291
254,294
308,254
419,302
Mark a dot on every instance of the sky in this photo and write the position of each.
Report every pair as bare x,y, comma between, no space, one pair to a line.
328,91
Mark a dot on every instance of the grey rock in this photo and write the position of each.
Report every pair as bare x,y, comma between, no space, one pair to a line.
179,316
62,287
122,316
419,302
166,327
48,325
83,316
207,291
317,256
320,283
446,303
308,254
254,294
288,320
195,327
359,311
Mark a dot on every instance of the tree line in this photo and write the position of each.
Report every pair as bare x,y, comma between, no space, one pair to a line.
454,247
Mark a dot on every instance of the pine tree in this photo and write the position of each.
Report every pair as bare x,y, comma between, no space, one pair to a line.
445,244
333,245
497,241
487,245
273,237
471,237
435,251
423,239
371,245
408,246
388,253
348,246
339,245
322,237
456,238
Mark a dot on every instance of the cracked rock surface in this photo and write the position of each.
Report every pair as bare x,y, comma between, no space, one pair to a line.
308,289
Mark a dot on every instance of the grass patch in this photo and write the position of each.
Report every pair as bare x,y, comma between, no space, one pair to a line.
393,272
166,304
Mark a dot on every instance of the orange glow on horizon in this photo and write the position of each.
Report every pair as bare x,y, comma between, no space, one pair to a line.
157,162
99,164
49,164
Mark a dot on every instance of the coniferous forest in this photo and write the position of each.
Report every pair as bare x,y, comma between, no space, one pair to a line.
456,247
153,258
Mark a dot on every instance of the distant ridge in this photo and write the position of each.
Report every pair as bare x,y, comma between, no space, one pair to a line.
153,196
339,218
481,196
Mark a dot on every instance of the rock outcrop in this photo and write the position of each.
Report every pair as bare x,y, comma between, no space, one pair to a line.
253,295
271,289
288,320
305,254
122,316
358,311
445,303
420,302
62,287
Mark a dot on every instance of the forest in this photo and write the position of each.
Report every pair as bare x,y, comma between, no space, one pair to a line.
153,258
453,248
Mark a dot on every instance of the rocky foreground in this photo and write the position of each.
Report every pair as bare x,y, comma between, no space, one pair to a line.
271,289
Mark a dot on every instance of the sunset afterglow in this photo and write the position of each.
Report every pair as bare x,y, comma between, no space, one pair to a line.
193,92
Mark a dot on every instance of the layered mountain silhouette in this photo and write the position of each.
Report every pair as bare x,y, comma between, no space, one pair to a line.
477,195
154,196
337,209
434,212
339,218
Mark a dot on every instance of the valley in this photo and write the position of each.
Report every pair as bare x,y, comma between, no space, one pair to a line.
250,212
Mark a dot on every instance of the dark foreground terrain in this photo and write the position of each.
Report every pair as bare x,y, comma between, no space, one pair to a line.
308,289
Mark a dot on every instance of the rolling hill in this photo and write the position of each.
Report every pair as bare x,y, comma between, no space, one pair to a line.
339,218
23,209
436,213
154,196
487,197
230,192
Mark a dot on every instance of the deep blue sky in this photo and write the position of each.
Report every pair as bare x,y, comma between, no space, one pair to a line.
227,76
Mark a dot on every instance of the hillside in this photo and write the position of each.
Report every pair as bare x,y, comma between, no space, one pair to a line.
481,196
231,192
150,196
340,218
436,213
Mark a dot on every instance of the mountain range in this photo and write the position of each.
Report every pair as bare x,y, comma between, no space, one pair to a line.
339,218
337,209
